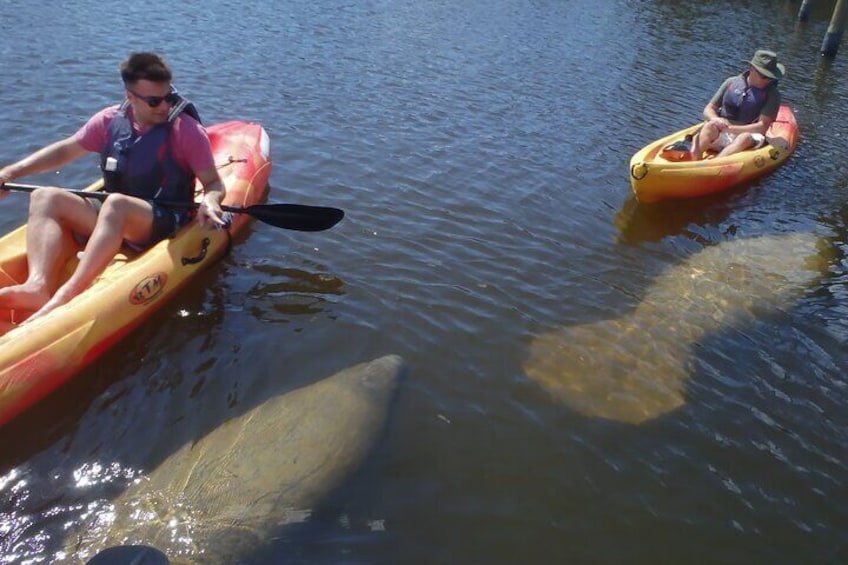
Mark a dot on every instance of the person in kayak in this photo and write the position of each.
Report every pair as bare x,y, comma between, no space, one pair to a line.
151,146
742,109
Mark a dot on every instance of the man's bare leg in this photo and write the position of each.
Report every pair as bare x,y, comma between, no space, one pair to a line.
121,218
742,142
54,215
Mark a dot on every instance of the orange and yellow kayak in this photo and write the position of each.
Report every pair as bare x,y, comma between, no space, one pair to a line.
37,357
654,178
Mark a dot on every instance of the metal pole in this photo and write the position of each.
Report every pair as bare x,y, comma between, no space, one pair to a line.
830,45
804,12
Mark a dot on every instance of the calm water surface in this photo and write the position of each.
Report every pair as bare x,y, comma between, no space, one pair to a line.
480,151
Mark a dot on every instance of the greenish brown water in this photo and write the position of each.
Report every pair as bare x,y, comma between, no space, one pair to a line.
480,151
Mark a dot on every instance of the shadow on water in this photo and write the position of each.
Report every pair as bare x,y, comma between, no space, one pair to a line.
56,416
283,292
638,223
275,295
694,218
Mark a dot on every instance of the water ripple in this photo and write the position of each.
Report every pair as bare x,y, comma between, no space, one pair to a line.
480,153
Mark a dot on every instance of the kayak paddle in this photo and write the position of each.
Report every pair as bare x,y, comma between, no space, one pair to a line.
288,216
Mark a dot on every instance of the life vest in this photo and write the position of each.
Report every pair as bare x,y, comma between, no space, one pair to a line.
144,165
741,103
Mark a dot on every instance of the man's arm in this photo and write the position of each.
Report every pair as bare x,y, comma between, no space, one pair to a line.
213,194
711,112
53,156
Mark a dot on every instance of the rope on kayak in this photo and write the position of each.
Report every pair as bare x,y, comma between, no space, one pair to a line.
230,161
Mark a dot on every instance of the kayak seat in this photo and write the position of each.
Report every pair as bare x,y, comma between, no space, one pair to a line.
680,150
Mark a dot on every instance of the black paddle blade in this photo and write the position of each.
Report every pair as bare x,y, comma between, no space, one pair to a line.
293,216
129,554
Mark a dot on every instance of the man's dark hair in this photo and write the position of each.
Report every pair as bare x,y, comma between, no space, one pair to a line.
145,66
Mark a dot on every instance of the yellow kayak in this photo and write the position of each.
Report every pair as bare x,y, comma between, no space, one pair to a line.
654,178
37,357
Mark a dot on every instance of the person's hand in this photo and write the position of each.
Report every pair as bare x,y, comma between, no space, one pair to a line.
210,210
5,176
720,123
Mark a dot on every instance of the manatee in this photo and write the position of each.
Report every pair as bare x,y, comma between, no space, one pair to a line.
218,499
635,368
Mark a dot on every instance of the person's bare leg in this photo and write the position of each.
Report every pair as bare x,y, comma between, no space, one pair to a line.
120,218
742,142
703,139
54,215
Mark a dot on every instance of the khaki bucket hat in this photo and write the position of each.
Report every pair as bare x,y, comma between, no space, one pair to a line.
767,64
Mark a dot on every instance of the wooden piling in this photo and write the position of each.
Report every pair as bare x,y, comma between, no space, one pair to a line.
804,11
830,45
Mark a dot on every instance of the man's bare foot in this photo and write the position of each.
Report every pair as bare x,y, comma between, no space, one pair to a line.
62,296
23,297
51,305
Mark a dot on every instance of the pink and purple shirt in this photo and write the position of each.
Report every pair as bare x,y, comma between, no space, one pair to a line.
191,147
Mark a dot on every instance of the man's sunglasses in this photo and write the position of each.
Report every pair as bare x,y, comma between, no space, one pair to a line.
154,101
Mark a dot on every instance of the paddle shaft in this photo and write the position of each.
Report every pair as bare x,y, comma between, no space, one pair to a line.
288,216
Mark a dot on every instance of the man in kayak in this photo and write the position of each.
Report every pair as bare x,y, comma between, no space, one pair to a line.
151,146
742,109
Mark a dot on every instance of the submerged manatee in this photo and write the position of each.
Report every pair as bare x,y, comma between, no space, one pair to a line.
635,368
219,498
